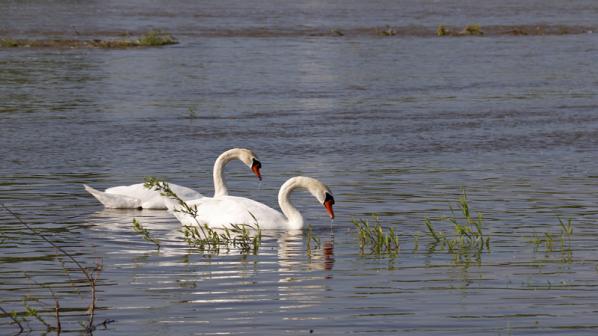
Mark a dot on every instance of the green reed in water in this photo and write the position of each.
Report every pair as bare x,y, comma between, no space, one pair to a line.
376,238
246,237
145,233
548,239
468,240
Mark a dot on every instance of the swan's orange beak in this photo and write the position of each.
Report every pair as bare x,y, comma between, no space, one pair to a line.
328,202
255,168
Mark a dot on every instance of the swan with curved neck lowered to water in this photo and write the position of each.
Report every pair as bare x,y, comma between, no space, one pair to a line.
136,196
222,211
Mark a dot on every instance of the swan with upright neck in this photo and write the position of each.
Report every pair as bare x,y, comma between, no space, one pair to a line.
136,196
222,211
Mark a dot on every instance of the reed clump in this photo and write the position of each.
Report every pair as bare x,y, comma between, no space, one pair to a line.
246,237
468,239
564,237
375,238
472,29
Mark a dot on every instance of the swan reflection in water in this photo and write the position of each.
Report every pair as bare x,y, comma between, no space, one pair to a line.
281,278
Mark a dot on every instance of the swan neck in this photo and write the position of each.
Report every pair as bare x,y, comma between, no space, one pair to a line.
295,220
220,188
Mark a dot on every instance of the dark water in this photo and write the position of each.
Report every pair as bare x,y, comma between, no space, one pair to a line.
394,126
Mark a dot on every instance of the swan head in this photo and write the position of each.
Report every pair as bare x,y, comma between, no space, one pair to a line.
250,159
328,202
321,192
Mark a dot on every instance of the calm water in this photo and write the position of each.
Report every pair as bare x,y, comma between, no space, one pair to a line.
394,126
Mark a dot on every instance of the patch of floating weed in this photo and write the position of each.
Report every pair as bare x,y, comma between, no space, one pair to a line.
245,237
155,38
469,30
468,240
441,31
387,31
9,43
375,238
145,233
472,29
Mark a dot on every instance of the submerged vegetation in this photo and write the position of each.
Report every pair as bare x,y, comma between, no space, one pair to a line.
565,235
247,237
376,239
152,38
468,239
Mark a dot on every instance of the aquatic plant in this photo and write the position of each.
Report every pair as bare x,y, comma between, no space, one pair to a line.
472,29
378,239
547,239
156,38
244,236
387,31
441,31
191,113
145,233
91,276
9,43
468,240
153,38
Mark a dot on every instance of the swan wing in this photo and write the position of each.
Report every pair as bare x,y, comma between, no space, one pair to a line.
137,196
114,201
226,210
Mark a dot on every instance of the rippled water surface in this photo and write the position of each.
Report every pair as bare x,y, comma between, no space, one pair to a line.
395,126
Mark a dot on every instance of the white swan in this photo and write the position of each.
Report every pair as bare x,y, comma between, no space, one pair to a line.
221,211
137,197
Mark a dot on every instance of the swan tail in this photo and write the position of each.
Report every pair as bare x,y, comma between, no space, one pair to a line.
114,201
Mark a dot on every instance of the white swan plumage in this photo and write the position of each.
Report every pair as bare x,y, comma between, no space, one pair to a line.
136,196
222,211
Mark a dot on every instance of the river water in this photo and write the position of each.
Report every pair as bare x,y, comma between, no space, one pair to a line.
396,126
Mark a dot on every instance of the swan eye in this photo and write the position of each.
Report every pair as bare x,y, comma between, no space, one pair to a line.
329,198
